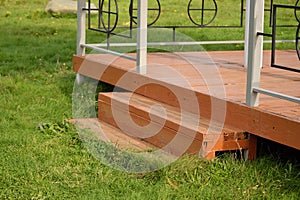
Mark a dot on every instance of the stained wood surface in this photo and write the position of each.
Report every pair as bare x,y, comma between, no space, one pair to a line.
215,80
165,126
110,134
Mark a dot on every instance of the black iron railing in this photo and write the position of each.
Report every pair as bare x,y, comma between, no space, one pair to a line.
200,15
274,31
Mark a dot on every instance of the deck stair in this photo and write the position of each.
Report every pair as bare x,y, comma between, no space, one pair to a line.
167,127
274,119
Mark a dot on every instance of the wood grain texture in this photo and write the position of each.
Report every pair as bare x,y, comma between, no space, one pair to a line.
274,119
174,132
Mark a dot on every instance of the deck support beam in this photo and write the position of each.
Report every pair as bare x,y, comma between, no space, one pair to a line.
142,12
255,50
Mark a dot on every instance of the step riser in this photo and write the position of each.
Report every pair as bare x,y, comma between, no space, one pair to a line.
181,125
182,144
165,136
172,118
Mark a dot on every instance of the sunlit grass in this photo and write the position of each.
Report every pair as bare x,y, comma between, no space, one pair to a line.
41,154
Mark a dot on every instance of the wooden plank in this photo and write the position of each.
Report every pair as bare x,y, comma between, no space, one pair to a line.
275,124
161,139
165,137
166,131
264,124
110,134
174,117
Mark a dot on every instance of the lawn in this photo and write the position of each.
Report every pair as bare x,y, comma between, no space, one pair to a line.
42,156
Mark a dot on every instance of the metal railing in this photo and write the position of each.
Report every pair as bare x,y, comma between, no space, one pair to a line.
255,48
110,9
254,42
141,44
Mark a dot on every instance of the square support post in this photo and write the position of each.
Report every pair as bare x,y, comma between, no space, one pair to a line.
255,50
81,34
142,12
246,38
251,153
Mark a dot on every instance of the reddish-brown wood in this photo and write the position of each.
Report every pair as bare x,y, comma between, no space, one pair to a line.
161,139
110,134
172,133
274,119
252,151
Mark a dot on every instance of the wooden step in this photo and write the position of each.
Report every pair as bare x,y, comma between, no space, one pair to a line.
175,131
112,135
275,120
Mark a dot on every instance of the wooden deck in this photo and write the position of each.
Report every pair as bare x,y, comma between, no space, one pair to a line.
171,74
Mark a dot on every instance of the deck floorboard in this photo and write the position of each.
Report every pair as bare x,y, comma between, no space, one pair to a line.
181,70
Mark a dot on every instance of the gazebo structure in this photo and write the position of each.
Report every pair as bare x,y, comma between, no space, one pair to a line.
247,110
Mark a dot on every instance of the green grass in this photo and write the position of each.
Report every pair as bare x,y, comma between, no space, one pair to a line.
176,14
42,156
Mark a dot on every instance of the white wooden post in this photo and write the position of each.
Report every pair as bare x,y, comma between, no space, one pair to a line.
246,33
255,50
81,35
81,18
247,24
142,12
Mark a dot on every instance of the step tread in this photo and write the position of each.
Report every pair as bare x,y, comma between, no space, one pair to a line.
141,105
110,134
